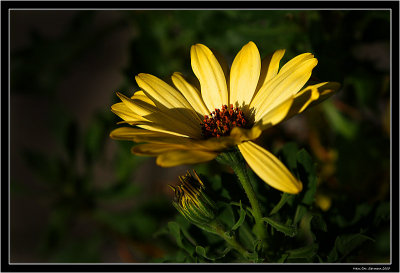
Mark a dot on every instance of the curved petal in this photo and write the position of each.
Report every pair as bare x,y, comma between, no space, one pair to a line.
273,65
138,107
217,144
166,120
212,144
122,133
245,73
311,95
181,157
159,91
325,90
136,135
282,86
191,93
165,97
211,76
269,68
269,168
242,134
275,115
157,137
140,95
159,128
224,65
296,61
154,149
125,113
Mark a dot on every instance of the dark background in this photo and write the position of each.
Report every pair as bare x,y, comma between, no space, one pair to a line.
78,196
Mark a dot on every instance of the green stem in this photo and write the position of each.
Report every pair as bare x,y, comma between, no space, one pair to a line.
231,240
237,163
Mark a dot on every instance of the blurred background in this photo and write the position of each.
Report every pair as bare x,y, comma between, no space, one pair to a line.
78,196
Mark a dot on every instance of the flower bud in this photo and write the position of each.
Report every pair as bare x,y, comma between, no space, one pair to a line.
192,202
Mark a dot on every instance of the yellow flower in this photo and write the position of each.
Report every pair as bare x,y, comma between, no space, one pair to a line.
185,125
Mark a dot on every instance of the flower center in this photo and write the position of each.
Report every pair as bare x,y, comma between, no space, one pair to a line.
221,121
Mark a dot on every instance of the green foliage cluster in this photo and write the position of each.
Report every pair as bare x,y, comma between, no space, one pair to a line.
298,231
354,125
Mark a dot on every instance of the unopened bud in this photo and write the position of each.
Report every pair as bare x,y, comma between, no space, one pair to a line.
191,200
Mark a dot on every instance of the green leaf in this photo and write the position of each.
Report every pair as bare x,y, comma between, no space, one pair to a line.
201,251
317,222
304,158
333,256
289,154
288,230
241,218
204,253
284,199
226,215
305,232
345,244
361,212
182,242
283,258
343,125
306,168
300,212
307,252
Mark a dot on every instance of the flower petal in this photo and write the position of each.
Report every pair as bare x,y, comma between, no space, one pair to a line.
154,149
217,144
122,133
273,65
161,92
159,128
325,90
165,97
167,120
158,137
211,76
282,86
242,134
140,95
191,93
181,157
135,134
125,113
275,115
269,168
269,67
245,73
311,95
212,144
295,62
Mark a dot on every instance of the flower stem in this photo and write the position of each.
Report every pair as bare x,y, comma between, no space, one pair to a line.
237,163
230,240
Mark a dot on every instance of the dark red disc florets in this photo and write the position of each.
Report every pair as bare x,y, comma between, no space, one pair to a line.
221,121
